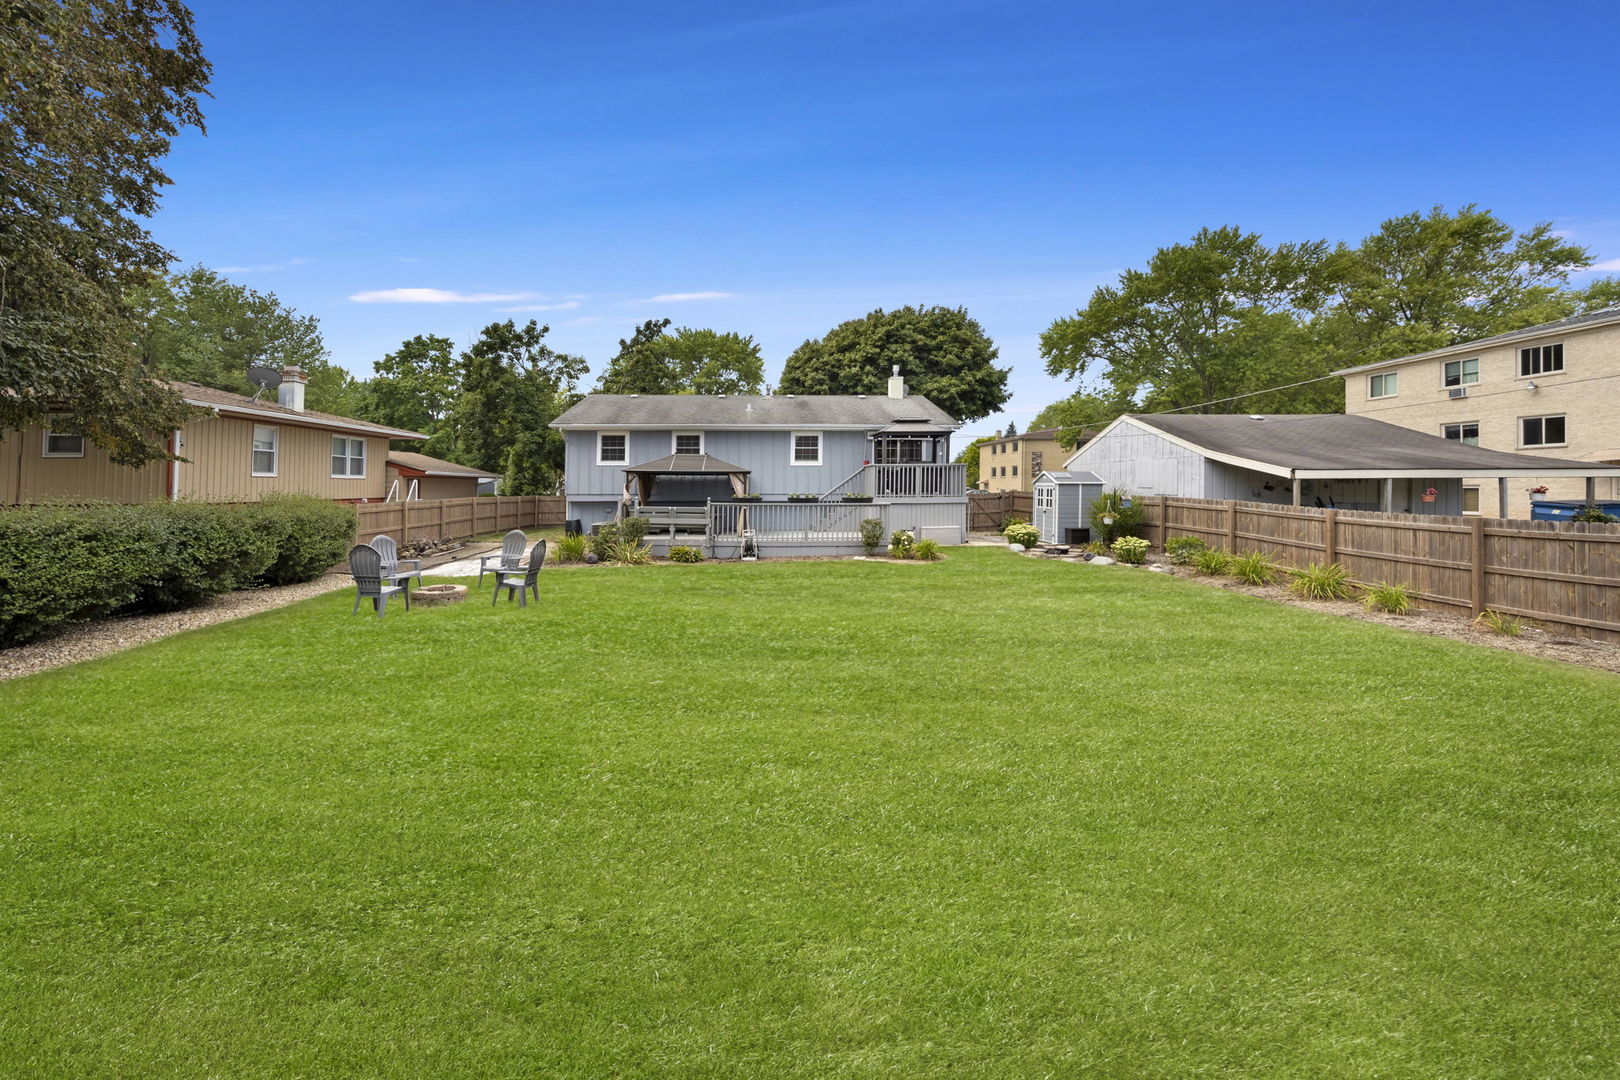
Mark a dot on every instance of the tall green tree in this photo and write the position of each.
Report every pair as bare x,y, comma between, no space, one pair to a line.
1012,428
415,387
944,354
201,327
639,367
1218,316
687,361
513,385
1082,412
91,93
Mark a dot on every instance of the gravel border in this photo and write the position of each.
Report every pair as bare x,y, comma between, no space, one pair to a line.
87,641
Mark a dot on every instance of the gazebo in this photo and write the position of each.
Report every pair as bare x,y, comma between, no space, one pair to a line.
640,480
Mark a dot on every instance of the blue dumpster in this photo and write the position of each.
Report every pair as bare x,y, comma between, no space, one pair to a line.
1565,509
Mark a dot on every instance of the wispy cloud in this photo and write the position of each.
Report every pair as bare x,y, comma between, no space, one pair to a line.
263,267
677,297
434,296
564,306
1606,265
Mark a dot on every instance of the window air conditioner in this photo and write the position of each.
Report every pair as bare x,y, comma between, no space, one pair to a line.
1458,391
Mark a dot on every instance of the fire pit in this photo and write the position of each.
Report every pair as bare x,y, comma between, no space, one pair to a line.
438,595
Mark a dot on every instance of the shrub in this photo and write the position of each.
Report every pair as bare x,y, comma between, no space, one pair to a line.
927,551
632,529
310,535
872,534
1592,513
206,550
1321,581
1009,520
1127,515
902,545
1022,533
684,554
1395,599
571,548
62,564
1212,563
629,553
1183,549
1096,547
1131,550
602,540
1253,569
1499,622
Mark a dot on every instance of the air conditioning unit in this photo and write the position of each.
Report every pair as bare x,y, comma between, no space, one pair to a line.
1458,391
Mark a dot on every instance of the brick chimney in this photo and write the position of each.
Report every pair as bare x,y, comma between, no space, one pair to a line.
897,385
291,391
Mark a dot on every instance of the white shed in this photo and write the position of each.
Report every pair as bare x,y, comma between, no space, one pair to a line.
1063,505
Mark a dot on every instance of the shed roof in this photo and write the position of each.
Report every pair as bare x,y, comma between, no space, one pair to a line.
749,411
1336,445
1584,321
224,401
1070,476
432,466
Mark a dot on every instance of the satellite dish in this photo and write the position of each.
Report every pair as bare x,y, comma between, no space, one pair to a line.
265,378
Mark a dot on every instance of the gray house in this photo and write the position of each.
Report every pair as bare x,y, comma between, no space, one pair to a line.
793,474
1330,460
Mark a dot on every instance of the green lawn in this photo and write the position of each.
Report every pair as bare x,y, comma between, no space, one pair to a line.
988,818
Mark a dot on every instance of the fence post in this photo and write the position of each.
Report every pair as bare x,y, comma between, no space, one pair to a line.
1330,536
1164,521
1231,526
1476,591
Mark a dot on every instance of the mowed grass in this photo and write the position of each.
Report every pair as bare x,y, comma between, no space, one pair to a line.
991,817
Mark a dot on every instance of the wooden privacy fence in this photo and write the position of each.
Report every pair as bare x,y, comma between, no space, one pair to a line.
986,511
1564,574
458,518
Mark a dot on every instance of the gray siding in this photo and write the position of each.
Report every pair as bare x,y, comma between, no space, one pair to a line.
1071,510
1143,463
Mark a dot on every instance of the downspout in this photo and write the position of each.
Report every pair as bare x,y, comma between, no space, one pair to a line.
172,467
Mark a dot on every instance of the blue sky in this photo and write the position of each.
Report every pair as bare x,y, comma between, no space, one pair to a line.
775,169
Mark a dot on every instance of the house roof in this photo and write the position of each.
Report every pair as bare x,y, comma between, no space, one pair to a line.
421,464
1574,322
1336,445
687,465
1070,476
224,401
866,411
1048,433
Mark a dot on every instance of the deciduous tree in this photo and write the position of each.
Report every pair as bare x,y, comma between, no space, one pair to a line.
513,386
687,361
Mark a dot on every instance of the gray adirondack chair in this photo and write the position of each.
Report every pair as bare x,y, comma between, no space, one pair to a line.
510,557
366,567
392,564
520,580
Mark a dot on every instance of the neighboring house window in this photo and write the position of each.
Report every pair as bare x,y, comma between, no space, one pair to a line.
266,441
1541,359
1463,433
61,444
1015,470
1541,431
612,448
807,448
1015,448
1462,372
1381,385
348,457
1470,500
689,442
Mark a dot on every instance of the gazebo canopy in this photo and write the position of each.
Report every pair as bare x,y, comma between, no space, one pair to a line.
638,479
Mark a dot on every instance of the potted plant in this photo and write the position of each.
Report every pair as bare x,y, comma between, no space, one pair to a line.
1430,494
856,496
800,496
1538,493
751,496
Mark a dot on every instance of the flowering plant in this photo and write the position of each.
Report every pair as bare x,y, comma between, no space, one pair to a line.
1539,489
1432,491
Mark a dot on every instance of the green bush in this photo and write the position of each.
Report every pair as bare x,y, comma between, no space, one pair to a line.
571,548
1182,550
1022,533
1212,563
1131,550
1395,599
602,540
872,534
632,529
208,549
1321,581
1500,622
629,553
1253,569
1128,519
1592,513
310,535
927,551
902,545
62,564
684,554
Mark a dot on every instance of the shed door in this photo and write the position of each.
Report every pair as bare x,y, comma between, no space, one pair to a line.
1046,512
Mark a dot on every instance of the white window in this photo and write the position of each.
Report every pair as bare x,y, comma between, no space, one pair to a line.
1541,359
266,439
807,448
348,457
61,444
1043,498
1462,372
688,442
612,447
1381,385
1541,431
1463,433
1470,500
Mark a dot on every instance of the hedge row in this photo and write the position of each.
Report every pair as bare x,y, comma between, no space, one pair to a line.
61,564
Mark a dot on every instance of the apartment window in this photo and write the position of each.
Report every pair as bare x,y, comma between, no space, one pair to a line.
1015,470
1541,359
1381,385
348,457
266,441
1470,500
689,442
62,444
1541,431
807,448
1463,433
1015,448
1462,372
612,447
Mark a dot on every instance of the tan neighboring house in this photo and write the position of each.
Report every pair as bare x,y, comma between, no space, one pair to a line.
1551,390
412,477
241,451
1012,462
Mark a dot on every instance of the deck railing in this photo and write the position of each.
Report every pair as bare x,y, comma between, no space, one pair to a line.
916,481
803,522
